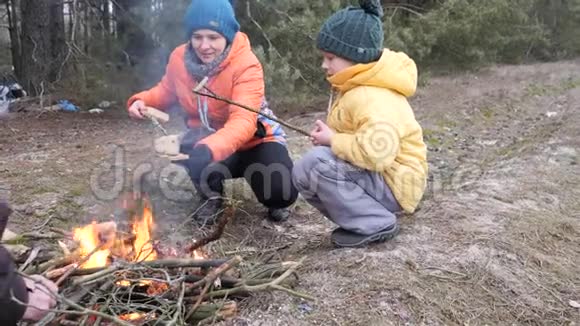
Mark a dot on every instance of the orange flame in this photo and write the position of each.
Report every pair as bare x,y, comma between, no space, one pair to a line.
90,238
143,246
137,316
103,236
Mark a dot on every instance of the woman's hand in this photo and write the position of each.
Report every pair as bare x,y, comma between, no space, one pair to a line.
40,299
322,134
136,109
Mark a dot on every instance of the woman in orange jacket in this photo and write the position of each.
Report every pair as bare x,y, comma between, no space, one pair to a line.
224,141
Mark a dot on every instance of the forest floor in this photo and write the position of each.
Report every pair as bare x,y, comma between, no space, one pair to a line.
495,240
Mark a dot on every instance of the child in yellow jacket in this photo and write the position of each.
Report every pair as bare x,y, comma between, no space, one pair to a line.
370,159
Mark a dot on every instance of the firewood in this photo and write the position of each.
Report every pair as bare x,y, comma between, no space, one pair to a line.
163,263
52,264
210,279
226,218
59,272
160,116
230,282
227,310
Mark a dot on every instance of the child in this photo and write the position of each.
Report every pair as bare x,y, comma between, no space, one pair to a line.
370,160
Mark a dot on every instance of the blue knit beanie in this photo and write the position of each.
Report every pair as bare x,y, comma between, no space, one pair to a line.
354,33
215,15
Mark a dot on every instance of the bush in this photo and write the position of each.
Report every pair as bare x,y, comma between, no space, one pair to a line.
468,33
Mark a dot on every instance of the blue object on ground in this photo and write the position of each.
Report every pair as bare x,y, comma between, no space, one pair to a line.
67,106
305,308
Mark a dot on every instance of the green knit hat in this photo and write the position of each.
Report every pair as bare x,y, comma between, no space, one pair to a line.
354,33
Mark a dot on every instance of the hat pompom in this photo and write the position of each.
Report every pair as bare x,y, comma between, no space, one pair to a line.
372,7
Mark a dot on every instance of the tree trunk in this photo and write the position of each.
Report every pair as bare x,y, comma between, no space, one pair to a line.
13,24
106,18
36,49
87,27
57,39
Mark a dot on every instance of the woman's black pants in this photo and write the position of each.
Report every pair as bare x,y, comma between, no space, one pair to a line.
267,168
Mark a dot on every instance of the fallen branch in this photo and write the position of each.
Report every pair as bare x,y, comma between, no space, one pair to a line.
178,305
211,310
96,275
51,264
104,288
229,215
30,237
33,255
56,273
76,266
163,263
263,287
210,279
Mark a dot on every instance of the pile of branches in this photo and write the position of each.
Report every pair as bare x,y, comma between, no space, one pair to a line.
174,291
160,292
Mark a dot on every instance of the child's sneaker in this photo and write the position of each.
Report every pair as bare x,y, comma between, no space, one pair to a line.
343,238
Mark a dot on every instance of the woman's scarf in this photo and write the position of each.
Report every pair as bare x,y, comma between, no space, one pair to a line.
197,69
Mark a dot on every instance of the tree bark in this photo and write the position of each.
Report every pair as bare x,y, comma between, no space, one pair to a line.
106,20
36,49
57,39
13,28
43,44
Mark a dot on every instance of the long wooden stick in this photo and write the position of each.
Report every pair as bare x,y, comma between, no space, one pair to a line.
223,99
164,263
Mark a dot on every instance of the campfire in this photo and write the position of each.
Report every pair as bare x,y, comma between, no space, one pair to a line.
115,273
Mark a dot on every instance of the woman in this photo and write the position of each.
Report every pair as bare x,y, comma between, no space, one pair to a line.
224,141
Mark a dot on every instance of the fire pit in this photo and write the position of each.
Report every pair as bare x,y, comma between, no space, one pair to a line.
114,274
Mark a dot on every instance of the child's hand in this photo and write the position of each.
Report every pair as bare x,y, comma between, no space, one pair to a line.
322,134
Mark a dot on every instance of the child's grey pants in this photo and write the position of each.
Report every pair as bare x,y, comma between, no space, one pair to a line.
357,200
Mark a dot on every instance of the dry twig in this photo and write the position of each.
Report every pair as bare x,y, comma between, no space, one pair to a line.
229,215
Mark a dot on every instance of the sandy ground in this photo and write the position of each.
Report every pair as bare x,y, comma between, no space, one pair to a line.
494,241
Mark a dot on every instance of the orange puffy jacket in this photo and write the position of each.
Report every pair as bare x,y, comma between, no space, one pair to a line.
240,78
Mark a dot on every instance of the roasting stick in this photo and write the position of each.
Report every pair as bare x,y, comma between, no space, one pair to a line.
156,116
76,266
210,94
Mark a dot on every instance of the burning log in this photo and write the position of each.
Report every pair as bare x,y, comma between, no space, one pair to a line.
59,272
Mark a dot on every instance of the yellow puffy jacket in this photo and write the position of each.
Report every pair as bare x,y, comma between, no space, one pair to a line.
375,127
